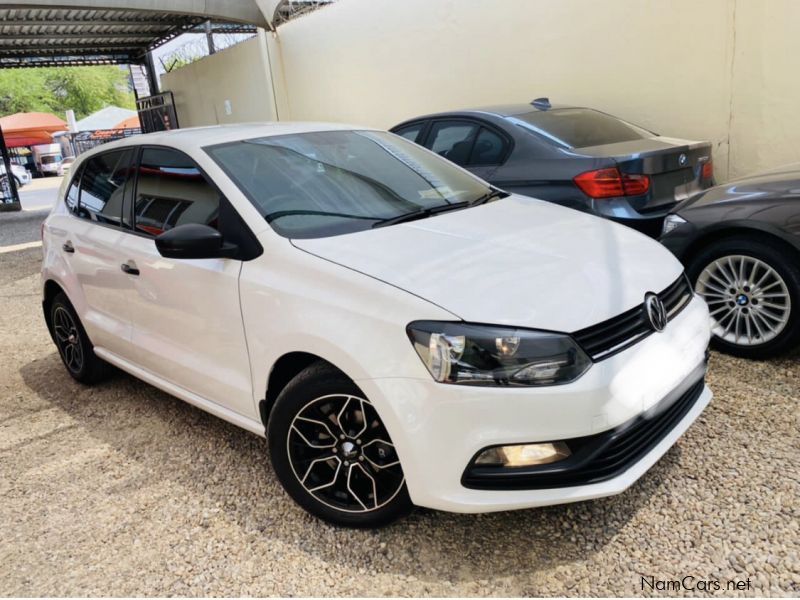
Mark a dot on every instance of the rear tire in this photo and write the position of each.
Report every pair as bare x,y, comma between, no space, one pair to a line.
332,453
758,283
74,346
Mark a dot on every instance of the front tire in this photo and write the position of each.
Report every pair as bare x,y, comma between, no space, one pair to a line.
77,352
332,453
753,293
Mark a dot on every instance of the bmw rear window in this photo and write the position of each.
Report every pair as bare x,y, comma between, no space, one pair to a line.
579,127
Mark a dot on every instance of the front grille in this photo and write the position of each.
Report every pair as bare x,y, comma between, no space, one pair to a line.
594,458
623,331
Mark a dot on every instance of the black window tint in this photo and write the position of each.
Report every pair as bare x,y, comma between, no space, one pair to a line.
170,191
103,186
579,127
410,132
489,149
453,140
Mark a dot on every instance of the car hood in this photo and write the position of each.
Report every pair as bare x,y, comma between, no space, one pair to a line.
751,194
515,261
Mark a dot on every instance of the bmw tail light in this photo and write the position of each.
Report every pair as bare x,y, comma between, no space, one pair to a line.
610,183
708,170
635,185
603,183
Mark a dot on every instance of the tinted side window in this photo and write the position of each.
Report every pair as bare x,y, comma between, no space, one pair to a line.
102,187
410,132
489,149
453,140
172,191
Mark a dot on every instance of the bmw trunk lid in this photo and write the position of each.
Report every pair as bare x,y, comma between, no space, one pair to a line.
678,169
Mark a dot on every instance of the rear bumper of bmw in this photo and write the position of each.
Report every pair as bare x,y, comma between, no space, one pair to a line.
621,417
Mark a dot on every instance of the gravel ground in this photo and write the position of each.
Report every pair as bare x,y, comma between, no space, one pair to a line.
122,490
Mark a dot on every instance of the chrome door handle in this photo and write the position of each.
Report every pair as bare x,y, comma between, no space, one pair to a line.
67,247
126,268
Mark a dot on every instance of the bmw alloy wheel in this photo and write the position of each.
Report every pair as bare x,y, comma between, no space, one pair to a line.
748,300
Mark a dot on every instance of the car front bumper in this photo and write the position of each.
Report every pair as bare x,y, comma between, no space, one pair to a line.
438,429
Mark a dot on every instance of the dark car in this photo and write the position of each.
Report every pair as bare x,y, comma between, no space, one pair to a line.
570,155
740,243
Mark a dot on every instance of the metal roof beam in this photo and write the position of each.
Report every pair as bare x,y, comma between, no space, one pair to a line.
60,48
88,37
232,11
16,23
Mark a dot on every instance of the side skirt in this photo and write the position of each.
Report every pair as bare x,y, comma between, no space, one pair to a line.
215,409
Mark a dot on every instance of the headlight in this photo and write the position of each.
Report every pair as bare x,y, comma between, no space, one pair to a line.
469,354
672,222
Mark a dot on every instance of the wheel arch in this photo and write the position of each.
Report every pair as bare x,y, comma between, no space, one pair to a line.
750,230
283,370
50,290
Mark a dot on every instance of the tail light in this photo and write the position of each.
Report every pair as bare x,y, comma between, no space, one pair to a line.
707,172
610,183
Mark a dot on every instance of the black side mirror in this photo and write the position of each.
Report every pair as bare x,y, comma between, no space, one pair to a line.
194,241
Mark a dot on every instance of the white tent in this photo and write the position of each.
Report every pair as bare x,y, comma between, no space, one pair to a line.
105,118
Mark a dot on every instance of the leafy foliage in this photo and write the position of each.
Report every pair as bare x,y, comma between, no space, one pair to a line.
56,89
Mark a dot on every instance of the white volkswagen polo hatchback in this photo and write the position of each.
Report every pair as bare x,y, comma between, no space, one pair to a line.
401,332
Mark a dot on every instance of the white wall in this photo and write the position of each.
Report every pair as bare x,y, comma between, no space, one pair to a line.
720,70
765,127
237,78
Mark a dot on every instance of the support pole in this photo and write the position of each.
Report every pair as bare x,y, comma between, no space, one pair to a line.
152,76
9,198
209,38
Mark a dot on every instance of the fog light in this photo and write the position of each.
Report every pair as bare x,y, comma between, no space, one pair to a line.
527,455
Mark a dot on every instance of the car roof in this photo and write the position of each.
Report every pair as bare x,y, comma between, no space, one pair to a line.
192,138
499,110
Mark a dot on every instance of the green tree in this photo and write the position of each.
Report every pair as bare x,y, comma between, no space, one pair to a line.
88,89
83,89
24,90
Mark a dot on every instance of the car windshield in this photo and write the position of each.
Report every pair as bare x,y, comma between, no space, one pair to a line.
321,184
579,127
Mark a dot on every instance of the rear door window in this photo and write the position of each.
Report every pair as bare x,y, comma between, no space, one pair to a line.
102,187
73,193
453,140
579,127
489,149
410,132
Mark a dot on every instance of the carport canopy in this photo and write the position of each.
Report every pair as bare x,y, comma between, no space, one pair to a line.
85,32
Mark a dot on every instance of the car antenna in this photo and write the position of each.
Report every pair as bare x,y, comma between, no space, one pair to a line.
542,103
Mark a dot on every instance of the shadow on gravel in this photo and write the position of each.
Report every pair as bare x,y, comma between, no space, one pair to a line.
227,469
20,264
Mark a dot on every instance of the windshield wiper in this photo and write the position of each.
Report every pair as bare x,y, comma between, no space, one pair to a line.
492,195
293,213
424,213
